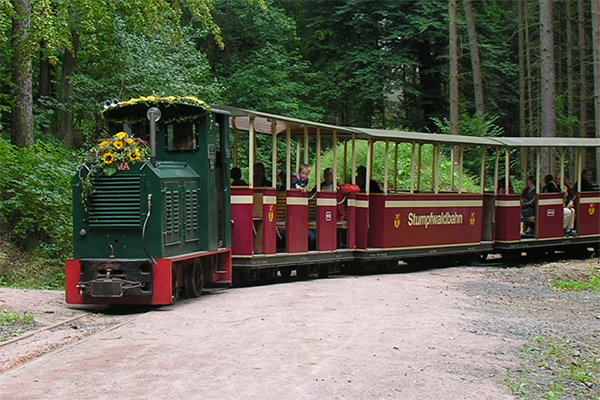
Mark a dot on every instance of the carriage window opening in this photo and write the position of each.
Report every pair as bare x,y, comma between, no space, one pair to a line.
182,136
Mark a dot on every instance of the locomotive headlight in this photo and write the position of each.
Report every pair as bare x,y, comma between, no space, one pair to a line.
82,233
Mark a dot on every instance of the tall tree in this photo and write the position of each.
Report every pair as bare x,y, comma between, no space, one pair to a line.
475,61
582,70
547,73
453,54
596,41
22,133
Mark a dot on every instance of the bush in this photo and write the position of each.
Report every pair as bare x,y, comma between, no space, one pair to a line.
35,199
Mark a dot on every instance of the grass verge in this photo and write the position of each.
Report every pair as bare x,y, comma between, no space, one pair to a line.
13,324
552,369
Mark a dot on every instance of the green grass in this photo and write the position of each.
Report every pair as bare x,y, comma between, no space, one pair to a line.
552,369
13,324
8,318
591,283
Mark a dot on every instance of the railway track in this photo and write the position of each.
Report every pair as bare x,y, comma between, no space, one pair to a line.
47,341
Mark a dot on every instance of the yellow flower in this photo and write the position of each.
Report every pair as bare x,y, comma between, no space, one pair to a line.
129,141
104,145
121,135
109,158
118,145
135,155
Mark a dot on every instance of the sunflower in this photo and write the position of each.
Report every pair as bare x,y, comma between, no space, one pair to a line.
121,135
135,155
104,145
129,141
118,145
109,158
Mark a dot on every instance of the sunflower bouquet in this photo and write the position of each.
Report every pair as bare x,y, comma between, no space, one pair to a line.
110,155
121,148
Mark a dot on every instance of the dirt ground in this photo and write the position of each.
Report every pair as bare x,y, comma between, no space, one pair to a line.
455,333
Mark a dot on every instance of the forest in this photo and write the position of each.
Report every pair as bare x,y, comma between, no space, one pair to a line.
514,67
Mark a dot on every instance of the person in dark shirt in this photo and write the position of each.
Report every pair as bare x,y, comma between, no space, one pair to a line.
528,203
569,195
528,198
260,179
236,177
586,181
361,178
549,185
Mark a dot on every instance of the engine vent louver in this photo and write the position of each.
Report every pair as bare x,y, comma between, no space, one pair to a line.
116,202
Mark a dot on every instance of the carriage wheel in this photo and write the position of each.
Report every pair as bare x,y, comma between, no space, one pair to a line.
285,272
194,279
323,271
174,288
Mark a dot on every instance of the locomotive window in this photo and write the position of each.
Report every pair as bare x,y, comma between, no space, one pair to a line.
182,136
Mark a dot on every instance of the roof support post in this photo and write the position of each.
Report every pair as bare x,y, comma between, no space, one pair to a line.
538,170
496,171
353,159
274,148
305,144
396,168
460,168
507,170
318,161
334,166
419,167
369,166
387,166
412,167
482,173
252,151
288,156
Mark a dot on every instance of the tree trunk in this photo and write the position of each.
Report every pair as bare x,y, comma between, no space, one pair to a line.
570,69
596,42
65,117
22,133
45,78
475,61
454,91
583,78
548,77
529,69
582,72
522,73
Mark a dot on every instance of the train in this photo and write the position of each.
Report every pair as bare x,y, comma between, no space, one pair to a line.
155,213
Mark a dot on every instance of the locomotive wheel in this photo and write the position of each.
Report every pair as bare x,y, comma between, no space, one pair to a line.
194,279
174,288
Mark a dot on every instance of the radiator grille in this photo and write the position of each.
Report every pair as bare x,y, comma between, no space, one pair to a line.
116,202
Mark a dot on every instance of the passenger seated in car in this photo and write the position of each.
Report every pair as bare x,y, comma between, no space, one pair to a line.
361,178
260,179
327,183
549,185
528,204
569,195
300,179
236,177
586,181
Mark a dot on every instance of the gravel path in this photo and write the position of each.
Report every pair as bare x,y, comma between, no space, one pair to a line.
440,334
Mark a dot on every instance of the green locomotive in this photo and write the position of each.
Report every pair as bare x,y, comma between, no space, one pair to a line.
146,229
